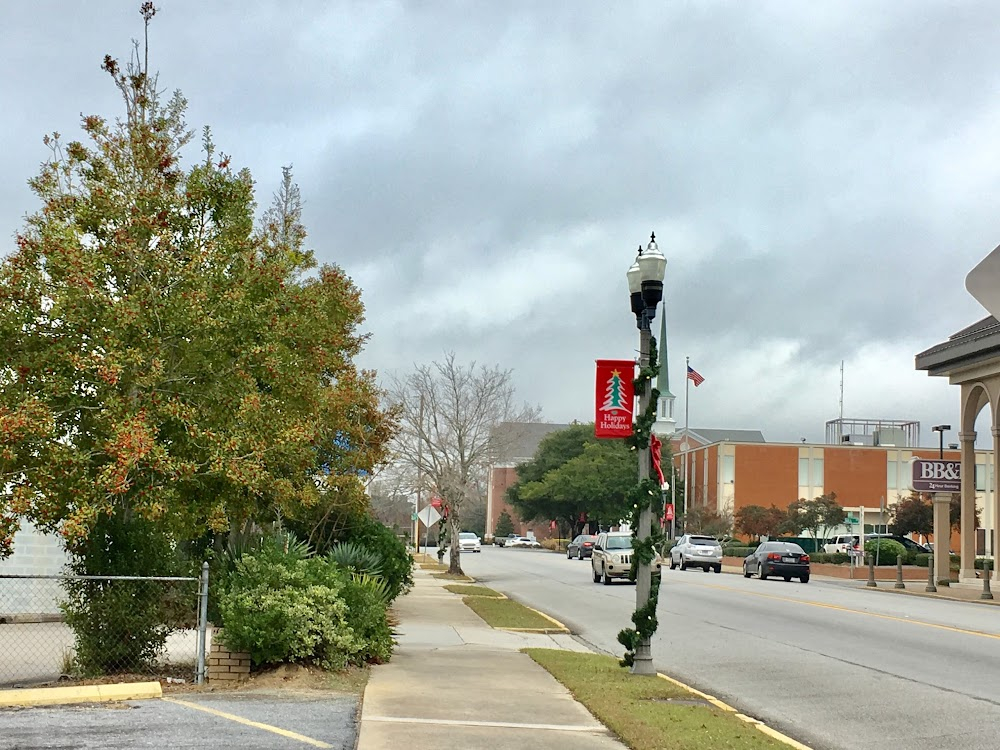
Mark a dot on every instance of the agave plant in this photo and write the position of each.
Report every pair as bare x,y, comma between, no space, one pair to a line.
375,585
356,558
252,538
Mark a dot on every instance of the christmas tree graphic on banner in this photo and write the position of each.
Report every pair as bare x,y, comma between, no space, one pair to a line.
613,393
614,397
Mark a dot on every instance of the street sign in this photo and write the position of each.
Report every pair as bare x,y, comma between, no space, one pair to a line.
850,520
428,516
413,517
669,514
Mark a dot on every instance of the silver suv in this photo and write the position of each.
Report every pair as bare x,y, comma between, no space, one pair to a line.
697,551
612,557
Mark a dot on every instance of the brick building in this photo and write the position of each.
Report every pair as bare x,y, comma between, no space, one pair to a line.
518,442
728,470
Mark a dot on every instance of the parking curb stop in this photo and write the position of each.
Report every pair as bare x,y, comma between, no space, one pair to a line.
80,694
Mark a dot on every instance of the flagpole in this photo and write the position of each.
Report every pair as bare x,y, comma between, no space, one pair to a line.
687,438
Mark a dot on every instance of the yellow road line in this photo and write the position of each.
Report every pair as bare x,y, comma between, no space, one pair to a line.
838,608
247,722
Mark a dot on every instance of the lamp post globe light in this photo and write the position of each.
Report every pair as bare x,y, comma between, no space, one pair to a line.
645,285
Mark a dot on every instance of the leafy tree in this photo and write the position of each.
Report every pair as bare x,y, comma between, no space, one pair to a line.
915,514
505,526
448,413
816,516
573,475
955,513
699,520
161,355
912,515
757,521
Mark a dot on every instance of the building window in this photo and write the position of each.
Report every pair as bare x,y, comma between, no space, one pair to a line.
817,472
980,477
728,469
803,472
892,475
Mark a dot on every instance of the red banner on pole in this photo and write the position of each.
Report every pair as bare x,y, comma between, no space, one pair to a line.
615,398
669,514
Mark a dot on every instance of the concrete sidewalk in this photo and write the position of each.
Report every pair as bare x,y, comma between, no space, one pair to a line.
454,681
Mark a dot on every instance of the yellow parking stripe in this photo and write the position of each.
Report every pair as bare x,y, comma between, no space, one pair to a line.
247,722
838,608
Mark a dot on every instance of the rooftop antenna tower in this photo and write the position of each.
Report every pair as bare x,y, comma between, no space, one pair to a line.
841,390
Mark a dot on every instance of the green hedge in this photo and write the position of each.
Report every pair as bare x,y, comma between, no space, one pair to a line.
737,551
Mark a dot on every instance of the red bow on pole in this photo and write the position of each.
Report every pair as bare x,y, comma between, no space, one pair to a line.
655,447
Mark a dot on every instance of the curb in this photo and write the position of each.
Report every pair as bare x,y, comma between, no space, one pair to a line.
756,723
930,595
81,694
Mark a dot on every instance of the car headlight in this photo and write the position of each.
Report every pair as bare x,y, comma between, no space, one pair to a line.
616,559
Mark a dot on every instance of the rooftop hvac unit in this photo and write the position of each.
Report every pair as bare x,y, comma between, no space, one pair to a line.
890,437
858,440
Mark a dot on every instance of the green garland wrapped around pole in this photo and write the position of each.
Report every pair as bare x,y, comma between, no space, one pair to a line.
645,501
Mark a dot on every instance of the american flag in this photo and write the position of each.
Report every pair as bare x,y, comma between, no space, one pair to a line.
693,375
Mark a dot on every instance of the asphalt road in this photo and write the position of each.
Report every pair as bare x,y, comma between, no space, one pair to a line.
285,720
831,664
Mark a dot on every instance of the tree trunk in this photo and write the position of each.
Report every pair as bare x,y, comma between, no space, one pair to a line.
454,528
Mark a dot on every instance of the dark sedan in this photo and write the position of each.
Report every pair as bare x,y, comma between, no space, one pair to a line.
581,547
778,559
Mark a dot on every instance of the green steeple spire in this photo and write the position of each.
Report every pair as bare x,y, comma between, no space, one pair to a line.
663,373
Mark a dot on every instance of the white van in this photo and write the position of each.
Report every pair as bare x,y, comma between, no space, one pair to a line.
842,544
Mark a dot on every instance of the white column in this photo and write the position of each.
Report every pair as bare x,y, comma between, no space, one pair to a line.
967,528
942,537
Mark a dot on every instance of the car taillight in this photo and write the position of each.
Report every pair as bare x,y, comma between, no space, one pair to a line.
804,558
773,556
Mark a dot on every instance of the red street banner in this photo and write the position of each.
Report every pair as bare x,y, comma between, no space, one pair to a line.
669,515
614,398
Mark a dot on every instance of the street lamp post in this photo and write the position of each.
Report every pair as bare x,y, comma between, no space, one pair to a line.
941,429
645,284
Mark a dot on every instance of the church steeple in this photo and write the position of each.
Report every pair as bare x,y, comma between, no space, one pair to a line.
665,423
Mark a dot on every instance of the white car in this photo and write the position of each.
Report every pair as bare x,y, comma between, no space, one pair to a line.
522,541
697,551
841,544
612,557
469,542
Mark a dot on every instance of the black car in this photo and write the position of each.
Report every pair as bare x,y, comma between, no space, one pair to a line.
908,544
777,559
581,547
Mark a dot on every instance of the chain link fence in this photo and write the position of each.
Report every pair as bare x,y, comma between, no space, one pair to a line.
60,627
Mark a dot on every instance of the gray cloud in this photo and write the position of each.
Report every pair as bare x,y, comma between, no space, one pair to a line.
819,175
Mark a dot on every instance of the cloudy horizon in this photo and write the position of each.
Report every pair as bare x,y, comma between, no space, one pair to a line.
818,176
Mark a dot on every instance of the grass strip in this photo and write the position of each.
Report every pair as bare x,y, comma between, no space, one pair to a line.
647,713
433,566
457,588
506,613
452,577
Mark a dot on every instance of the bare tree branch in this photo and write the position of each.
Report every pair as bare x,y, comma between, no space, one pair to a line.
450,441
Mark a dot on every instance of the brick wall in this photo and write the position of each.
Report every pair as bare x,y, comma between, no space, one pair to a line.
225,666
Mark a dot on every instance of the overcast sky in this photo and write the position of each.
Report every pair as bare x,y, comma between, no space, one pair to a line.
820,175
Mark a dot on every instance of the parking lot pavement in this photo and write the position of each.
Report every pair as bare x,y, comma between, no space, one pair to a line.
245,720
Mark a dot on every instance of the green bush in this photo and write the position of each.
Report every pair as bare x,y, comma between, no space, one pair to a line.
397,563
285,609
832,558
884,550
122,626
737,551
367,599
922,559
